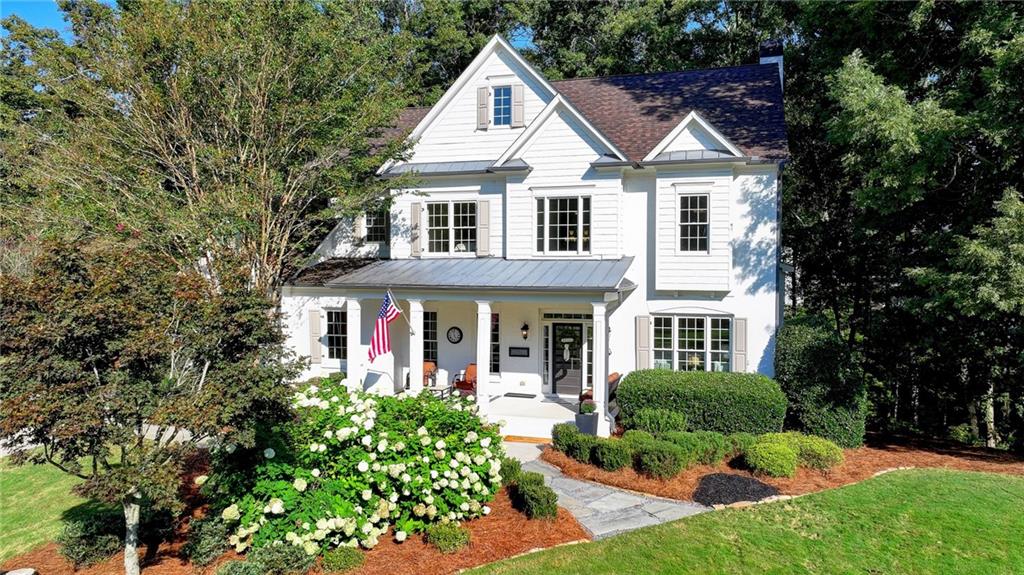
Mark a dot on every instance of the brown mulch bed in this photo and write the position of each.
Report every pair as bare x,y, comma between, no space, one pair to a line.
503,533
859,464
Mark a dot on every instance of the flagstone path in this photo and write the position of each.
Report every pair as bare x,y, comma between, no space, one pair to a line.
602,510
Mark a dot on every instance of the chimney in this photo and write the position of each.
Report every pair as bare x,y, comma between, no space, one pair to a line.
771,53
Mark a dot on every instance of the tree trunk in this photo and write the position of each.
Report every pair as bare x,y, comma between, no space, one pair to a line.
131,535
991,437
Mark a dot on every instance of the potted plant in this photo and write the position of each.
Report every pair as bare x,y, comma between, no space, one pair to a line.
586,419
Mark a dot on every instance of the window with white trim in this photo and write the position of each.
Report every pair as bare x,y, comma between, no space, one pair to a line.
693,222
451,227
503,105
337,334
692,343
378,226
563,224
430,336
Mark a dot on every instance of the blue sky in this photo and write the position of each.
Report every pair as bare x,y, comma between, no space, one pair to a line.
39,13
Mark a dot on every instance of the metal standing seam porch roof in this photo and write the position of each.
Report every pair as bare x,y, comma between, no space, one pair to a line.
484,274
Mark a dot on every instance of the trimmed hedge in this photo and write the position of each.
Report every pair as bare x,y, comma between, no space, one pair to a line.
657,420
661,459
562,434
707,447
711,401
611,454
774,458
511,470
534,499
740,442
581,446
447,537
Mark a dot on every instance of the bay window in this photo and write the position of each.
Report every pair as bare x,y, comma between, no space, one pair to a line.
692,343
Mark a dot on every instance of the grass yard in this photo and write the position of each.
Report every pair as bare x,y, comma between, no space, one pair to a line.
32,500
917,521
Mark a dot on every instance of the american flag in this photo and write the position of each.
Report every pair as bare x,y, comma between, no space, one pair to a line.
381,342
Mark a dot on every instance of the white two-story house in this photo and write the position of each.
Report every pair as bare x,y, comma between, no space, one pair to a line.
560,232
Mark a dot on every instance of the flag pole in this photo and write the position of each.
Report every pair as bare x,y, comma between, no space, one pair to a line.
401,312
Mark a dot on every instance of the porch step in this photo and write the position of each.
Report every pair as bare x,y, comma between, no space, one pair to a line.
539,427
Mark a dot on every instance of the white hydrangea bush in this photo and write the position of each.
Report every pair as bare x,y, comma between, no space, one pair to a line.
352,465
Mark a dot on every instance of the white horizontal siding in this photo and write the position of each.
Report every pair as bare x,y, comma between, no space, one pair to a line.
453,136
560,154
678,270
490,189
693,137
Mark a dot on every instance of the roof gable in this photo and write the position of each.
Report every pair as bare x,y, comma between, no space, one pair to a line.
693,133
556,106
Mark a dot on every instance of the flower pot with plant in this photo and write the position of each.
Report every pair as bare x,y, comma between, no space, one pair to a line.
586,419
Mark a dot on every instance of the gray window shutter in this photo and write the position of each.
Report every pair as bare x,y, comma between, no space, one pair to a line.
517,105
414,228
643,341
482,118
314,336
483,228
359,228
739,344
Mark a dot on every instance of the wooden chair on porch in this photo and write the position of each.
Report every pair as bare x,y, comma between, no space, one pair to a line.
465,383
430,381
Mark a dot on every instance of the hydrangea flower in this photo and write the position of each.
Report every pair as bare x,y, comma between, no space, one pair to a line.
363,467
299,484
269,453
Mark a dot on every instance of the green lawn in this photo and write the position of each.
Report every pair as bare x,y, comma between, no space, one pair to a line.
919,521
32,500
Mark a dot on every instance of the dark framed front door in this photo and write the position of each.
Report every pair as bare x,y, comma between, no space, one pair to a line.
567,358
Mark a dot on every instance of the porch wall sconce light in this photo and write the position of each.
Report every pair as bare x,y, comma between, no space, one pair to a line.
525,330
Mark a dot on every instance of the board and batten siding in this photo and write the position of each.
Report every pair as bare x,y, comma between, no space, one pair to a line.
560,155
676,270
454,135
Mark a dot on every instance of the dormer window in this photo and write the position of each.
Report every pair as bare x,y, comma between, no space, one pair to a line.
503,106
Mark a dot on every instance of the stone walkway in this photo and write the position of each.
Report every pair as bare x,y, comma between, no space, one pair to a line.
602,510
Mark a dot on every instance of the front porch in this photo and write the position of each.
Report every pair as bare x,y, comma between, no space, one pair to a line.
534,349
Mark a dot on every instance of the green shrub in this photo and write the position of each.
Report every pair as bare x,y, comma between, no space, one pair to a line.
634,438
657,420
660,459
740,442
345,458
530,478
822,380
92,539
964,434
611,454
814,452
281,559
447,537
707,447
562,434
772,457
511,469
342,559
84,548
535,500
240,568
580,447
207,540
711,401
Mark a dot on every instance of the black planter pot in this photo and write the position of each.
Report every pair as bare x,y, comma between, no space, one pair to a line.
587,423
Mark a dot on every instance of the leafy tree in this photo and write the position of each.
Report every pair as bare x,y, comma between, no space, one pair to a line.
117,367
222,129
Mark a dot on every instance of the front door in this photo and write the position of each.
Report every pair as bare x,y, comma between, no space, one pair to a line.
567,358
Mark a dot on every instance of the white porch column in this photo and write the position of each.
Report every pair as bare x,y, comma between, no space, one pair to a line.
355,355
600,375
483,355
415,347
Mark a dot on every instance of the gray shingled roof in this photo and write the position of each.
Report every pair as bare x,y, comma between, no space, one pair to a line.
471,274
455,168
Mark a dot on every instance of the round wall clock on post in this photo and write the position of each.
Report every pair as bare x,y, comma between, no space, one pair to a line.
454,335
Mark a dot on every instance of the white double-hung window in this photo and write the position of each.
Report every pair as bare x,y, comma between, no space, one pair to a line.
563,225
692,343
693,223
451,227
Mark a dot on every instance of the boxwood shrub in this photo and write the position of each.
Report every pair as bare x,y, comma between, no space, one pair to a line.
707,447
657,420
774,458
342,560
447,537
562,434
535,500
711,401
660,459
611,454
740,442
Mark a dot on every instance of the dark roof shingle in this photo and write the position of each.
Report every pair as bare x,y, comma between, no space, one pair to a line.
637,111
